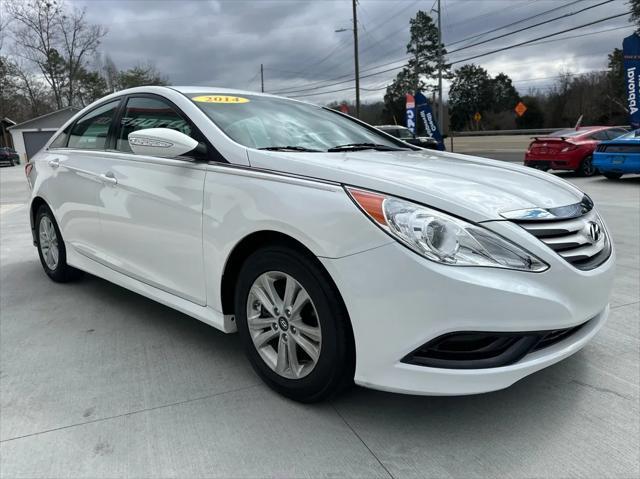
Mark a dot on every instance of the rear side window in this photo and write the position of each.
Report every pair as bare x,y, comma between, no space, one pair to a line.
142,113
615,133
600,135
90,132
61,140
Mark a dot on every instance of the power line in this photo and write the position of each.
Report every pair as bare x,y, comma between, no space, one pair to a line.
581,35
515,23
539,38
254,77
325,85
338,90
530,26
378,88
339,80
386,21
384,71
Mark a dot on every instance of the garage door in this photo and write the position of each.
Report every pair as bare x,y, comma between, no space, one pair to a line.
35,140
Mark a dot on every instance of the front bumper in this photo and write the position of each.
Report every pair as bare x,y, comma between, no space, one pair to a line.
398,301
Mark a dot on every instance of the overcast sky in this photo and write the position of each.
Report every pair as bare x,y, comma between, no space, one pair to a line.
223,42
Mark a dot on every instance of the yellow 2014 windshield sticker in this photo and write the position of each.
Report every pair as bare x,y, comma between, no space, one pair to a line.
220,99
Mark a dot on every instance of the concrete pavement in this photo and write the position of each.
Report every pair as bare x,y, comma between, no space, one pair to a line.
98,382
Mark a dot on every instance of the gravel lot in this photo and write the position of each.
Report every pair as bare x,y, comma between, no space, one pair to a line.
96,381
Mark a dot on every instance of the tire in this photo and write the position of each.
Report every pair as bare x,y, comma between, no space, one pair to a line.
612,176
323,318
54,264
586,167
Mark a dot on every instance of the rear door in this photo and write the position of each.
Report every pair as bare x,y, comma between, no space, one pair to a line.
151,212
72,165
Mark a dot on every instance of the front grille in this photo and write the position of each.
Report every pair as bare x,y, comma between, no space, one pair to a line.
480,350
574,239
619,148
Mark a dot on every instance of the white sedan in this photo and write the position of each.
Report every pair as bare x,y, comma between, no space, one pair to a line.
338,252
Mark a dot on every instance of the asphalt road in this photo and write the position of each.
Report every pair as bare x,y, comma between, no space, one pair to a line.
98,382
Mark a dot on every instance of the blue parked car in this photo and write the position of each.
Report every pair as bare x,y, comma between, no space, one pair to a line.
619,156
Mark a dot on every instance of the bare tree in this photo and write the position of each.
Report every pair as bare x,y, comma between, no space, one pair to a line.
79,40
56,40
4,24
36,37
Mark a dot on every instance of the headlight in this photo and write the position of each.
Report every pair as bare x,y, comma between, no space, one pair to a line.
443,238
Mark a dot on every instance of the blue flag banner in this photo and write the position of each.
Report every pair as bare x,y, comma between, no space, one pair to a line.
426,114
631,55
411,113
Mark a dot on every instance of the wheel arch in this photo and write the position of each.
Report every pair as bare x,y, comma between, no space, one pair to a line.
245,247
36,203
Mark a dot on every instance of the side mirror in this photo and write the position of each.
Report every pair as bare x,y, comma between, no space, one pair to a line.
161,142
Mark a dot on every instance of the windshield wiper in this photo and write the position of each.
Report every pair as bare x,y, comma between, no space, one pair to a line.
363,146
286,148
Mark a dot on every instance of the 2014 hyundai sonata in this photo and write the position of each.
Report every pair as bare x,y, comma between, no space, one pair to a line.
338,252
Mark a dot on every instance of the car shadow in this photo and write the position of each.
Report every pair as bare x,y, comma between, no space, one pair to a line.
544,403
112,305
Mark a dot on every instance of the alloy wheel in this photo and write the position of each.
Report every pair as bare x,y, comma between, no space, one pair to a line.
284,325
49,243
587,167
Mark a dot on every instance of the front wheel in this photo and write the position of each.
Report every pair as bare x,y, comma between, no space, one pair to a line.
293,324
613,176
586,168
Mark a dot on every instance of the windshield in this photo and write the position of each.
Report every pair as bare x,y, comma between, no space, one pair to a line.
402,133
567,133
631,134
271,123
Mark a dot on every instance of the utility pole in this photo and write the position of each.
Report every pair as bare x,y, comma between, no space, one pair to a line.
355,55
261,78
440,104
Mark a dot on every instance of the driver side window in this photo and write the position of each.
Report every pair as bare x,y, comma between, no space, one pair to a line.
144,112
600,135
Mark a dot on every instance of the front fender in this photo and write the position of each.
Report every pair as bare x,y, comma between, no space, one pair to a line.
242,201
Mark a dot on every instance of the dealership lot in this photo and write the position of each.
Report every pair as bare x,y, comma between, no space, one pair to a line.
96,381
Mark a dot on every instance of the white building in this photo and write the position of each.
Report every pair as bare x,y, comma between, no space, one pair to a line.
31,135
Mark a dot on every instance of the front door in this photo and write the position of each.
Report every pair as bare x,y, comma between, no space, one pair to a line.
151,211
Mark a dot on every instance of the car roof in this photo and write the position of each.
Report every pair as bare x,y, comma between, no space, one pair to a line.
188,90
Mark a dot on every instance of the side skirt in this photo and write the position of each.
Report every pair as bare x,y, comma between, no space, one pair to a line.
206,314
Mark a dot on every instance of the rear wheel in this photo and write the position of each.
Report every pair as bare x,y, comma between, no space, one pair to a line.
586,167
293,325
613,176
51,249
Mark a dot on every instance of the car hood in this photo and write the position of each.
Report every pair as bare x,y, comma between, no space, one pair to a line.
478,189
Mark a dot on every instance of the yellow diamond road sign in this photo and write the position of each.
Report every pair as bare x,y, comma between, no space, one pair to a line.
477,117
520,108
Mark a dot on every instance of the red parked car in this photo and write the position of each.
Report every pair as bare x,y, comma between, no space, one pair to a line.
570,149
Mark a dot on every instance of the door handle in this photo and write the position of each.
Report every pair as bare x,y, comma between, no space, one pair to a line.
109,178
54,163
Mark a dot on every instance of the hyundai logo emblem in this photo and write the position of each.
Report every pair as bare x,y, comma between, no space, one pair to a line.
593,231
284,324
